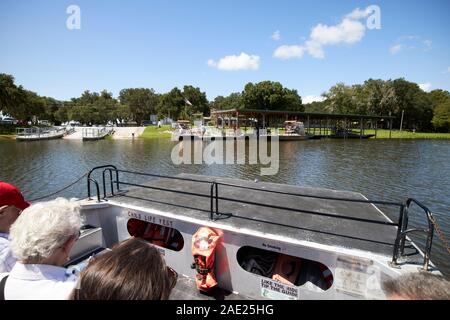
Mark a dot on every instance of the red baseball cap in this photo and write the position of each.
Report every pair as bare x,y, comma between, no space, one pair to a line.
11,196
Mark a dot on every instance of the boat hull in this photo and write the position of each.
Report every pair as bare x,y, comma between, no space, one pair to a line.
42,137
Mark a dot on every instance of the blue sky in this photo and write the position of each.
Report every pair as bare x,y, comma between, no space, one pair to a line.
220,46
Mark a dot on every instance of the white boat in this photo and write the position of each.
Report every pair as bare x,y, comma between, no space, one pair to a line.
341,245
38,133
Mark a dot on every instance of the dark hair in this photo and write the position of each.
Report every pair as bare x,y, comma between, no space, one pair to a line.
418,286
132,270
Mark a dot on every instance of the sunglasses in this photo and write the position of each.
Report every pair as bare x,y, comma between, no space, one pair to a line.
173,276
78,235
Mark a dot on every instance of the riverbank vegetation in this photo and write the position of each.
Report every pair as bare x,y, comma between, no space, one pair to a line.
7,136
152,132
397,134
10,129
412,107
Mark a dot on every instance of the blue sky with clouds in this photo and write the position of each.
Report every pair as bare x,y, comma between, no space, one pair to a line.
220,46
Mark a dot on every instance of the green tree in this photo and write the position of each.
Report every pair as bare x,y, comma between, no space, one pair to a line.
418,111
438,97
51,106
141,103
8,93
441,118
28,105
198,100
374,97
171,104
62,114
268,95
18,102
316,106
93,108
232,101
339,99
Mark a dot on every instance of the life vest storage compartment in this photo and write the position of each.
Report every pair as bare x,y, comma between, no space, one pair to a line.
284,268
162,236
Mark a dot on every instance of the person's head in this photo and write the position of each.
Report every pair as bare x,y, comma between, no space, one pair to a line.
417,286
11,205
45,232
132,270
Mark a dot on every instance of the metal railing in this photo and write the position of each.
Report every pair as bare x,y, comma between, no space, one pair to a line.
96,133
214,197
39,132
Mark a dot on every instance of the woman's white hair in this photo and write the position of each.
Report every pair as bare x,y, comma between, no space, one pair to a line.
43,228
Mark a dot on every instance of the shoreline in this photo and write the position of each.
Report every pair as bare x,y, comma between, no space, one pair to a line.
164,133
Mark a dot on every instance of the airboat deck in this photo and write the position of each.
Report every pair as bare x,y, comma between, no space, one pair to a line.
325,233
311,218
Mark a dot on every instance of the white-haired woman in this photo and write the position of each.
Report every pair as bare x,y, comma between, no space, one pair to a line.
41,240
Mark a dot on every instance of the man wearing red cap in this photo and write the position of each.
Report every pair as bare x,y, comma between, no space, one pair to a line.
11,205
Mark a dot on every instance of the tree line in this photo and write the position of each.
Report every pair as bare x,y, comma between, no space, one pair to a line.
132,105
421,110
424,111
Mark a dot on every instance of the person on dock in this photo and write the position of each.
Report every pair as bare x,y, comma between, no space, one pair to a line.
418,286
41,240
11,205
132,270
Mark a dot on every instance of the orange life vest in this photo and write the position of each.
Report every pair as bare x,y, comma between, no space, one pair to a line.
204,243
287,269
156,234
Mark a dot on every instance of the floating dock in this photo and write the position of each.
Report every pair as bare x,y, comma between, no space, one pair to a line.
36,133
92,134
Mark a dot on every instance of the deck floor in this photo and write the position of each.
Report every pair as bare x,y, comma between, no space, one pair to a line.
186,289
304,225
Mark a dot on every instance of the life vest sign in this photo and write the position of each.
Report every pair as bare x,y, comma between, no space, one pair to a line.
204,243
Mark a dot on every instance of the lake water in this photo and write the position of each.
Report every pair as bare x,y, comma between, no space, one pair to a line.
380,169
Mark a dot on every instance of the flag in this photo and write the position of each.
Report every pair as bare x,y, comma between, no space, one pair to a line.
187,102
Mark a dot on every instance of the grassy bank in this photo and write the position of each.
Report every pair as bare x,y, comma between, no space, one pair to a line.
152,132
396,134
7,136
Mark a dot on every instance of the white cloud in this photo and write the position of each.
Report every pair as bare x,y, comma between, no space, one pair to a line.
276,35
349,31
428,45
425,86
358,14
315,49
312,98
395,49
243,61
410,43
288,52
